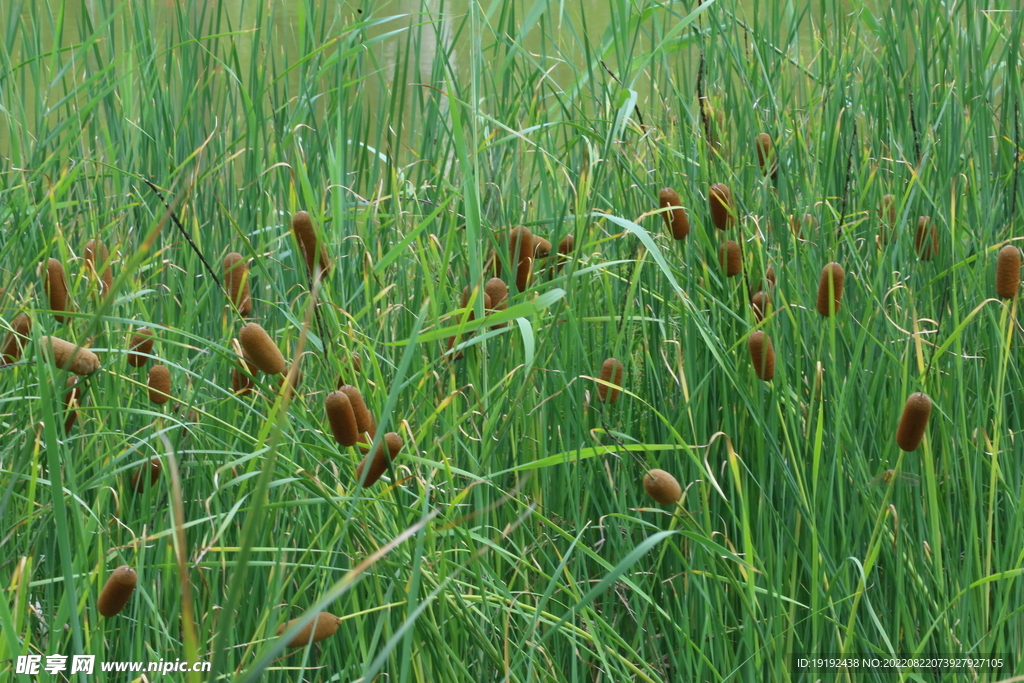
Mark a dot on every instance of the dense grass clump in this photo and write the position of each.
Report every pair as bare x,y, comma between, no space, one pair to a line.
357,165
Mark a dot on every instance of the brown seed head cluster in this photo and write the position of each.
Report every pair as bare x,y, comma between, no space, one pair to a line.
541,247
363,416
828,302
913,421
342,418
261,348
762,355
662,487
14,342
236,281
611,371
565,248
147,471
65,356
730,258
675,219
765,154
57,290
388,450
324,625
140,347
520,246
723,213
117,591
159,384
759,303
312,251
97,256
1008,272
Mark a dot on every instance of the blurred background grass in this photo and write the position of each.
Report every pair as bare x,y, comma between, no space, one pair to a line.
521,545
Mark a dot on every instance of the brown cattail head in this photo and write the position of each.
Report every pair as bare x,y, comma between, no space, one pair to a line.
236,281
97,256
524,274
70,403
913,422
828,302
675,219
520,244
770,275
309,246
759,302
1008,272
762,355
611,371
323,626
140,346
261,348
387,451
364,418
57,289
765,154
342,418
466,293
497,292
662,487
797,225
159,384
16,339
722,210
730,258
565,248
541,247
117,591
147,471
80,362
926,242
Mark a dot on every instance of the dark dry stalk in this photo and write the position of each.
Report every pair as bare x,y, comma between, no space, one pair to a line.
913,124
184,232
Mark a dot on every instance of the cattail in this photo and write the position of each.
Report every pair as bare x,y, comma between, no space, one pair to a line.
140,347
764,145
524,274
913,422
364,418
541,247
797,225
1008,272
342,418
388,450
261,349
323,626
926,242
662,487
147,471
497,293
722,211
57,289
70,401
159,384
611,371
97,256
305,235
466,293
730,258
675,220
828,302
117,591
520,243
770,275
759,302
15,340
65,356
565,248
236,280
762,355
